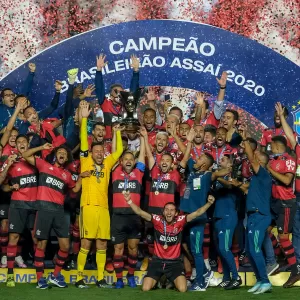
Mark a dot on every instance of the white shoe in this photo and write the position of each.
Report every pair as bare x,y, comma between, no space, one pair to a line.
194,274
207,264
215,281
4,261
20,262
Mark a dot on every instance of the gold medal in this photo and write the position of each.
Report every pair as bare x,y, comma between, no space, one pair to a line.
156,193
165,246
124,192
98,180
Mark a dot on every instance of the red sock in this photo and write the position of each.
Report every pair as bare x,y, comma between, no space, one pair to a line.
4,240
39,263
206,241
118,266
11,255
76,239
132,261
275,244
288,250
188,275
60,260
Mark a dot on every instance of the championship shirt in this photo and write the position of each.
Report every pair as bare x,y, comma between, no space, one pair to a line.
268,133
163,188
167,237
297,181
196,152
95,187
53,185
152,134
210,120
74,169
122,181
106,144
9,150
25,176
283,164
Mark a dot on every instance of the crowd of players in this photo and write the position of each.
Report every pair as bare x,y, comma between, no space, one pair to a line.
130,190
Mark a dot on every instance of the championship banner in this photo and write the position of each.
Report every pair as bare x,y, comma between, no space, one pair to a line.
172,53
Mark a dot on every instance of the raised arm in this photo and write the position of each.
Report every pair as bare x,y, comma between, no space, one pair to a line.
84,111
286,127
27,87
137,210
200,108
178,141
99,84
200,211
11,159
190,137
29,154
135,80
119,149
219,104
151,160
21,105
46,112
143,136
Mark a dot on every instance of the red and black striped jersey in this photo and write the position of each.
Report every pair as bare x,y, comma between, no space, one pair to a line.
122,181
9,150
169,235
74,169
163,188
25,175
53,185
106,145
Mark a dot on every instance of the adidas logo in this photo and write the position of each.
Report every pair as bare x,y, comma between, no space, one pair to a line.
221,232
250,231
19,169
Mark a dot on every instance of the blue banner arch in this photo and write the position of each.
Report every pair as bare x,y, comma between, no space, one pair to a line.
173,53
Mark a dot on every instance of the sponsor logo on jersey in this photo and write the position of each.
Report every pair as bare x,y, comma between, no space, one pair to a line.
170,239
130,185
55,182
27,180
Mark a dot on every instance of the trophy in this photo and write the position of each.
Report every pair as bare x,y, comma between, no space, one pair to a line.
130,118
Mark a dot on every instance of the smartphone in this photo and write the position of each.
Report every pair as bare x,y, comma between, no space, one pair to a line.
167,97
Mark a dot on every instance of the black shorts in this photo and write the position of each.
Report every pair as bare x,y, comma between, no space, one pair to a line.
125,227
19,219
283,213
170,268
47,220
4,208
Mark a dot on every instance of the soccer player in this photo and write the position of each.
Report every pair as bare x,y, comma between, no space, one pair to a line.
229,121
282,167
259,214
112,107
126,226
23,179
53,183
198,183
94,213
167,245
226,219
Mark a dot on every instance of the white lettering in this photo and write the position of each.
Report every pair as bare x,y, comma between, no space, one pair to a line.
116,50
55,182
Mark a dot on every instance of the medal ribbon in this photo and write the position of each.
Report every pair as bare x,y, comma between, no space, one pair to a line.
159,180
195,151
217,153
98,173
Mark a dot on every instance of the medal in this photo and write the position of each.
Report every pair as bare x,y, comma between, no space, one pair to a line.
98,180
156,193
165,246
98,173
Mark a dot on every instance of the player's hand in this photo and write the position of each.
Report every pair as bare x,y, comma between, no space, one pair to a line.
47,146
143,132
243,131
235,182
199,99
32,67
135,65
151,94
78,91
127,196
101,63
15,187
22,104
191,135
85,174
85,109
211,199
11,159
172,130
58,85
167,105
222,81
279,109
89,91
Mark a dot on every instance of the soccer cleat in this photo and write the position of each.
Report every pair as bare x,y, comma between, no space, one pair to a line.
144,265
207,278
20,262
207,264
131,281
103,284
10,282
264,287
224,283
58,281
244,260
42,284
119,284
4,261
271,269
292,280
196,287
81,284
255,287
215,281
234,284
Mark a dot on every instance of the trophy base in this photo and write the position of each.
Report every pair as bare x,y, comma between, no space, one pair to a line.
131,124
